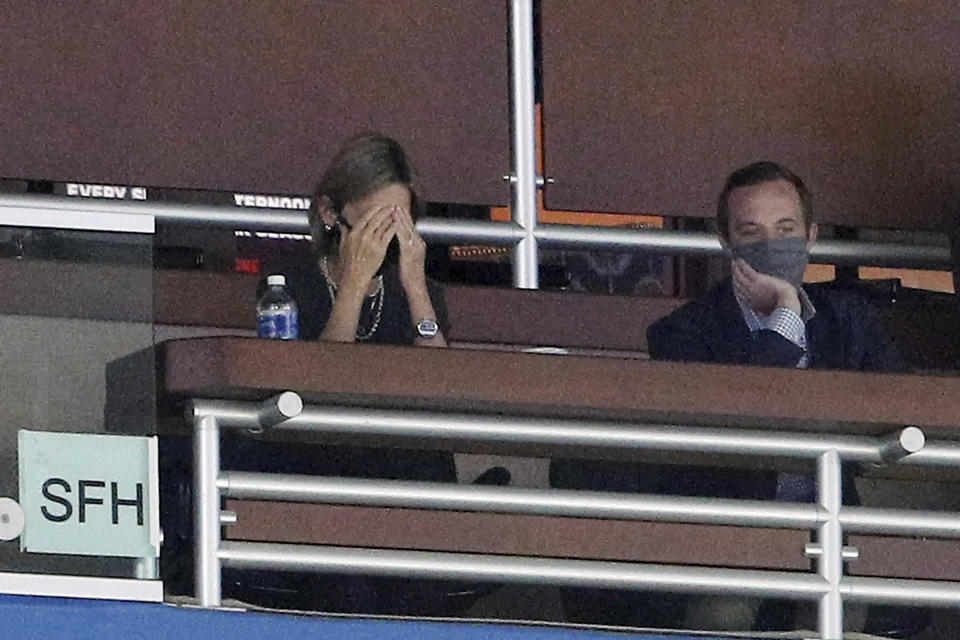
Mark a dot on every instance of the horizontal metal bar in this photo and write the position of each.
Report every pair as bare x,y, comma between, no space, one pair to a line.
229,414
553,502
48,212
905,592
581,573
582,433
582,504
543,431
906,522
939,453
668,242
516,569
81,213
193,214
881,254
470,231
661,241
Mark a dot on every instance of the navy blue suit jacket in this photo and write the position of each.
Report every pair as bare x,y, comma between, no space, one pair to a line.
845,333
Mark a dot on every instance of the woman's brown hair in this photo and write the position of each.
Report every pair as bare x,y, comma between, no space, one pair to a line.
363,164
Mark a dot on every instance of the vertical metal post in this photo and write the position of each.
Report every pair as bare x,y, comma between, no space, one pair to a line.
830,539
147,569
524,179
206,510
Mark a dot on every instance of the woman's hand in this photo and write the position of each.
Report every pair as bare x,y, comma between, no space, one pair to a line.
413,253
413,256
362,248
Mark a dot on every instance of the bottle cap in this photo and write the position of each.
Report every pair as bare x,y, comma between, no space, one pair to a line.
276,279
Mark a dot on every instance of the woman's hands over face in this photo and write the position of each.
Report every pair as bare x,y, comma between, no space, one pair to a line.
363,247
413,251
385,215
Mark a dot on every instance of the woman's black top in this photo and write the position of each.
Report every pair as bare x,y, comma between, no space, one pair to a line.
310,289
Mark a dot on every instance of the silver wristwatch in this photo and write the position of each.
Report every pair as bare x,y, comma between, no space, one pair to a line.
427,328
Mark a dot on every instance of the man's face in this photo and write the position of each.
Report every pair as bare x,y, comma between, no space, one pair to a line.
766,211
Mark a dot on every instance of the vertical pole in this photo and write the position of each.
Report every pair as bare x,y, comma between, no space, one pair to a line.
206,510
524,180
147,569
830,538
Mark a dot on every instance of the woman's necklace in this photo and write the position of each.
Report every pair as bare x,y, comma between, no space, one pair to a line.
376,306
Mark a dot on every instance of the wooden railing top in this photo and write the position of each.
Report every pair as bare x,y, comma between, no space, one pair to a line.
558,386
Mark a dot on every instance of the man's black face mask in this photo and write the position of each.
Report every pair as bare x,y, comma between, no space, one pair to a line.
784,258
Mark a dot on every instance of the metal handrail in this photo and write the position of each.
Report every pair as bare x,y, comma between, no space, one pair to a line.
578,433
517,569
580,504
64,212
827,517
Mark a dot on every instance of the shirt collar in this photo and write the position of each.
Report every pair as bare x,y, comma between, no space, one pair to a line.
755,321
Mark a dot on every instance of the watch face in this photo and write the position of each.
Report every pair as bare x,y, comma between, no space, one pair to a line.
427,328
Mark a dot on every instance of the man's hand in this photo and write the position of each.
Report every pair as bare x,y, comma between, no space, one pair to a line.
761,292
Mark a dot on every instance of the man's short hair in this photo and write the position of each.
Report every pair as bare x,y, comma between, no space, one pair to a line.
758,173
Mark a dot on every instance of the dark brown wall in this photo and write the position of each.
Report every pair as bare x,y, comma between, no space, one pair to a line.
253,96
923,327
477,314
649,104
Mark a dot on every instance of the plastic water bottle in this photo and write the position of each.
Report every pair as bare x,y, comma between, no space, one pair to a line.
277,311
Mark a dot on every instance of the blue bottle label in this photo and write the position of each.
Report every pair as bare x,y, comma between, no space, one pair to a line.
278,325
287,325
266,327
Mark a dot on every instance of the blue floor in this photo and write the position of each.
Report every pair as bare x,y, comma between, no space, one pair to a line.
30,618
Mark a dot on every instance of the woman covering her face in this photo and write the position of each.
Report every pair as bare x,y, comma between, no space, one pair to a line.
364,283
368,283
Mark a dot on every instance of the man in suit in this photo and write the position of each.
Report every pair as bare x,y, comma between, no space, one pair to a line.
761,315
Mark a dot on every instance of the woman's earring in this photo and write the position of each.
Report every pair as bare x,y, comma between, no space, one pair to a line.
325,208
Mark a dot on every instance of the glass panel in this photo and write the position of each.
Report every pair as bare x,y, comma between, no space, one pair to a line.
71,303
